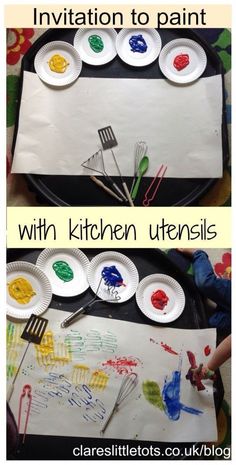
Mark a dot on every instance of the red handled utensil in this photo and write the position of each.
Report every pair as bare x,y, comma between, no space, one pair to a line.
25,395
149,196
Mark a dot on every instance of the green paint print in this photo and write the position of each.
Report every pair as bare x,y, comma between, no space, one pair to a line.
96,43
10,333
11,370
152,394
63,271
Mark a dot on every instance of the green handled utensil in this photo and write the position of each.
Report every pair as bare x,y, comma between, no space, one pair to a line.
142,168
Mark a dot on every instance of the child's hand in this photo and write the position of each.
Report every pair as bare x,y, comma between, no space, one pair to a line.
203,372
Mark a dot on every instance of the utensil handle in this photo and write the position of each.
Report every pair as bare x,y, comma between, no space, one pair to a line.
128,194
108,419
119,190
105,188
136,188
10,392
132,185
65,323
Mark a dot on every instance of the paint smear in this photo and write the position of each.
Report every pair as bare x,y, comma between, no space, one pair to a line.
58,64
181,61
159,299
138,44
96,43
122,365
171,398
152,394
63,271
112,276
168,349
194,378
21,290
207,350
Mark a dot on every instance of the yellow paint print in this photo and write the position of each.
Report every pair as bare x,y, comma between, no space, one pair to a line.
61,354
99,380
58,63
50,354
21,290
80,374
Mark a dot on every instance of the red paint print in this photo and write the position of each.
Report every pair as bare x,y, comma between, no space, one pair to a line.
122,365
159,299
195,379
181,61
207,350
168,349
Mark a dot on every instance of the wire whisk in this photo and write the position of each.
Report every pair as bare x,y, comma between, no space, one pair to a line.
73,316
140,150
128,384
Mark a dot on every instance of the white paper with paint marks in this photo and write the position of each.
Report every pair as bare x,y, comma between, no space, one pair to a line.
76,374
180,124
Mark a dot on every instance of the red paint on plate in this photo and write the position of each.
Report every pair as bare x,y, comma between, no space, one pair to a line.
159,299
181,61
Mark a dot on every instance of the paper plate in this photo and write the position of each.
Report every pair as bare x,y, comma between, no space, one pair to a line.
77,262
197,60
152,39
53,78
126,268
81,43
40,284
174,292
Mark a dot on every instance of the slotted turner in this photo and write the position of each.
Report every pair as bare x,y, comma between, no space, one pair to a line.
109,141
33,332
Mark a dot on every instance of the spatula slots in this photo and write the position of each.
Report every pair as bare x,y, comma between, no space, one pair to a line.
33,332
109,141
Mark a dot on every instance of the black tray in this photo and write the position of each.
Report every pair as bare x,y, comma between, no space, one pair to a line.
79,190
193,317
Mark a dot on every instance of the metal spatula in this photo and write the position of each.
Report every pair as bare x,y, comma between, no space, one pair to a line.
33,332
109,141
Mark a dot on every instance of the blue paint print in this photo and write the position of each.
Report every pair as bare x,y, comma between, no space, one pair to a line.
112,276
171,398
138,44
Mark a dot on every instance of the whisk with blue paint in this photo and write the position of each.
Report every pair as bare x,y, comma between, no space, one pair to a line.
112,279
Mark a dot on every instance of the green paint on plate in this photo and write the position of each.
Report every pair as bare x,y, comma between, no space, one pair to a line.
96,43
63,271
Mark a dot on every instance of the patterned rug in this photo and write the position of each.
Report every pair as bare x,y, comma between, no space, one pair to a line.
20,40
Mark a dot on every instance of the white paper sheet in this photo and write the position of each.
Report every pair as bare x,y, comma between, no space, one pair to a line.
181,125
71,397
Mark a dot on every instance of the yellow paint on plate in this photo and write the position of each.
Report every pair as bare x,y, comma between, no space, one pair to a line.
58,63
21,290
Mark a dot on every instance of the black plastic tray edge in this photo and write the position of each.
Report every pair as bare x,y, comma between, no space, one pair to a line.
189,199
